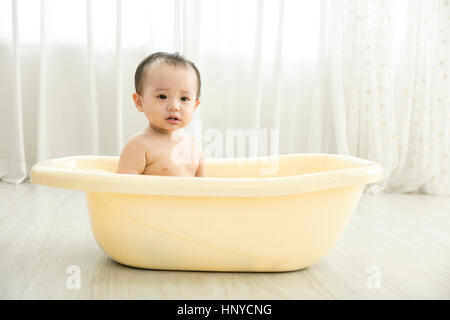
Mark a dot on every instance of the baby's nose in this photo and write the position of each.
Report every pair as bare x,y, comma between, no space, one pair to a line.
174,104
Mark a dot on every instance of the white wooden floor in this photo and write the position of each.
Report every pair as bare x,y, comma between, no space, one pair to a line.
45,230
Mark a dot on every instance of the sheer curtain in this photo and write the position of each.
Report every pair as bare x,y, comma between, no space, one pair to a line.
382,90
364,78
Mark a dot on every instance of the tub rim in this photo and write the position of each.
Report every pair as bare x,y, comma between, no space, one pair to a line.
364,172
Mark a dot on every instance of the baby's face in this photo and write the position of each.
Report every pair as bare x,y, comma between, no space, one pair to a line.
168,97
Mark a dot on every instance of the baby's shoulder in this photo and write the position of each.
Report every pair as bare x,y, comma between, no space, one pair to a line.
139,141
135,146
139,138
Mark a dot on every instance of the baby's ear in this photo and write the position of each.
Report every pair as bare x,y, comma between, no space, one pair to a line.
138,102
196,104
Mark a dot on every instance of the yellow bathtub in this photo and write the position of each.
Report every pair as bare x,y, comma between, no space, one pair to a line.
237,219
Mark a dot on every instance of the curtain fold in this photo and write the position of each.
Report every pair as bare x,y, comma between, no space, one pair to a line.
42,143
118,89
93,99
368,78
12,158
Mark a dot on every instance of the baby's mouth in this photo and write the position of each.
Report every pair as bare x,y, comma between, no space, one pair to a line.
173,120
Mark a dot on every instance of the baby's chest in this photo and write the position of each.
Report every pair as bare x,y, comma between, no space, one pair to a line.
170,161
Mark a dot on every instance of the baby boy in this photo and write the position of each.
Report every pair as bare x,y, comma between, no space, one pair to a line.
167,92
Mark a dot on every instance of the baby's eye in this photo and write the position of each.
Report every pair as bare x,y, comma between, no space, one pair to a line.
185,99
162,96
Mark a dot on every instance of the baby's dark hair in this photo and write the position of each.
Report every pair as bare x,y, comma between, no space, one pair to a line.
173,59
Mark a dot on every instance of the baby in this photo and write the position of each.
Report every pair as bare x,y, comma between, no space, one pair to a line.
168,92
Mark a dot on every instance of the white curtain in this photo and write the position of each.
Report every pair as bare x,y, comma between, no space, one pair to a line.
382,90
367,78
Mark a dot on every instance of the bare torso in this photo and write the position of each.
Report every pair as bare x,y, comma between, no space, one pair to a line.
170,157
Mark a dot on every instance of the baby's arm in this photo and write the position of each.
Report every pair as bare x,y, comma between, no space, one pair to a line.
132,159
201,170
